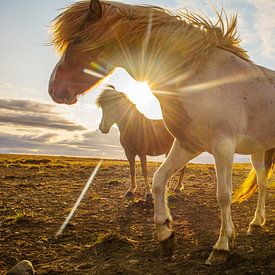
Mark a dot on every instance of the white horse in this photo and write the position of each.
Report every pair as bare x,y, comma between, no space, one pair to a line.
213,98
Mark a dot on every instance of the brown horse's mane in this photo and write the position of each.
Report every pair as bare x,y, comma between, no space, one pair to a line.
190,35
111,95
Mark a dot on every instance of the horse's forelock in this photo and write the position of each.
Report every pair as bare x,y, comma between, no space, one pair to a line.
110,95
68,25
107,95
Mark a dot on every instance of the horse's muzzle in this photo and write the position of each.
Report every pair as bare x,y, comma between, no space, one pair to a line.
103,130
67,97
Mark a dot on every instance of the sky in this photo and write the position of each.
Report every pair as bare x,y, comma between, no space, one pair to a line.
31,123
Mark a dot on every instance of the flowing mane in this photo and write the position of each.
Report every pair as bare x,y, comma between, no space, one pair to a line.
110,95
193,36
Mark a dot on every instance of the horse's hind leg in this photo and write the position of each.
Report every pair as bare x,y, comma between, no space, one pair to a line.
223,154
148,194
176,159
258,221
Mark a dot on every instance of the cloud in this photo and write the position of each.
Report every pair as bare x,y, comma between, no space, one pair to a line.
107,144
264,25
86,143
40,121
15,91
29,126
256,22
37,114
23,142
26,105
5,85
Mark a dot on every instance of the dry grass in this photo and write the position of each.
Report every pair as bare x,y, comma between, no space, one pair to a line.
109,234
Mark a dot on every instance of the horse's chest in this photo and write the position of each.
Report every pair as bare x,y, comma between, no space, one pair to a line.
178,121
175,116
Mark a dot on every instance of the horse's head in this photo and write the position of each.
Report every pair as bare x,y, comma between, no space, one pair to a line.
114,106
109,117
78,70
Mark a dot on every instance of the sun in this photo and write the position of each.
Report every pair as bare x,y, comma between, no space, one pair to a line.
141,94
138,92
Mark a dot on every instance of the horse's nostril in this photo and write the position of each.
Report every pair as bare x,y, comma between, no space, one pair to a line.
51,91
54,94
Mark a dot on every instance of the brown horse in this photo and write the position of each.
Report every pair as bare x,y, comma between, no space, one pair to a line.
139,136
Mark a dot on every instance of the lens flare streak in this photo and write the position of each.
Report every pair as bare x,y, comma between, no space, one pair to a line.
98,68
86,187
94,73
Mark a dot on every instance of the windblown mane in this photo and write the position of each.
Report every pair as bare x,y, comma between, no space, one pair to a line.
110,95
190,35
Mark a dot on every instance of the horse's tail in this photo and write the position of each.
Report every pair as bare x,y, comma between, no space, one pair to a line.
249,186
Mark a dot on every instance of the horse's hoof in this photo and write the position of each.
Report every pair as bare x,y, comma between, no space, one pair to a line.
129,195
148,197
168,246
254,229
176,191
217,257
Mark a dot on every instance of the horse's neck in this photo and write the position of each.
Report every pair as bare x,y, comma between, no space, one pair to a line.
127,114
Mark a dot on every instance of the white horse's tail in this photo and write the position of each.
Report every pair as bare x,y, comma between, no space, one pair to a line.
249,186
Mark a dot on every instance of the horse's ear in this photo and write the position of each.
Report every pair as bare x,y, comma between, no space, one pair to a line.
95,10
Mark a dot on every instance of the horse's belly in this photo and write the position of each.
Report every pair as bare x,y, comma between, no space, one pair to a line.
248,145
155,153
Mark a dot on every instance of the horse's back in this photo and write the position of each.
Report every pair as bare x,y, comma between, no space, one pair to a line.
147,137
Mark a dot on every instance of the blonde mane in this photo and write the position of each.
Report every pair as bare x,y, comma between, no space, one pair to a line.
110,95
189,35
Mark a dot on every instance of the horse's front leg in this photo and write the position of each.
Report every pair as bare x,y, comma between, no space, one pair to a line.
176,159
223,154
131,158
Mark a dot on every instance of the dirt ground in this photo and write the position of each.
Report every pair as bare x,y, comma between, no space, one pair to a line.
112,235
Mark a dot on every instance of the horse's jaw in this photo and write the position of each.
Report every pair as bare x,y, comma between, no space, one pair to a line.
104,131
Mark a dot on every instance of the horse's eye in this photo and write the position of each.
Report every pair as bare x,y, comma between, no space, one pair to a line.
77,41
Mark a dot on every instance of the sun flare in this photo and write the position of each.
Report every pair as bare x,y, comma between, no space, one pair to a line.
141,94
138,92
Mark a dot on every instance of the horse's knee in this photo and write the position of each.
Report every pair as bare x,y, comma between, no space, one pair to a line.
224,194
158,181
224,199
